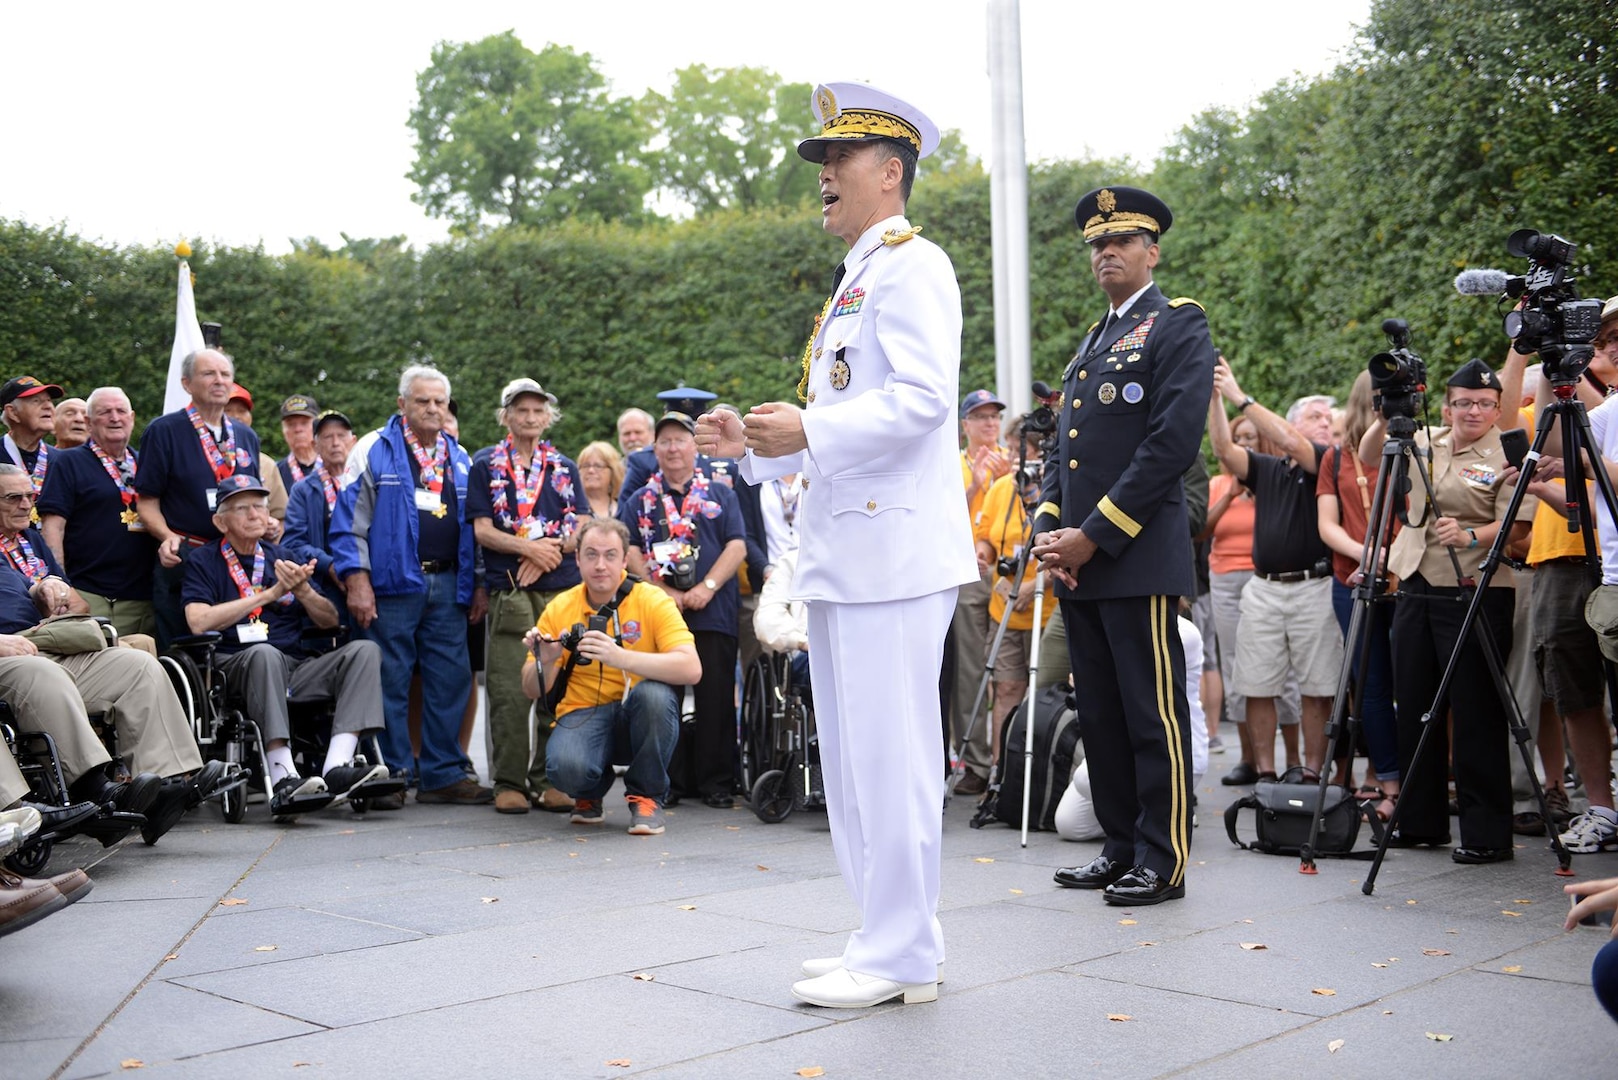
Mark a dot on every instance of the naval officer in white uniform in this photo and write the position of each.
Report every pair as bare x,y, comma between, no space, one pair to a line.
883,535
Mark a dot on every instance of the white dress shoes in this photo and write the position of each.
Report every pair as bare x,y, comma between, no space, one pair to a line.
844,989
825,965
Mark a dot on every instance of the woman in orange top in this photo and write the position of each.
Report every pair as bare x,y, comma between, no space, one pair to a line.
1000,531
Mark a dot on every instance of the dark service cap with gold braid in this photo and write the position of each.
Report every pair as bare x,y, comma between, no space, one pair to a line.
1121,211
1475,375
859,112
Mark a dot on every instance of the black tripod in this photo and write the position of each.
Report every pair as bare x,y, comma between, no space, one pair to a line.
1576,439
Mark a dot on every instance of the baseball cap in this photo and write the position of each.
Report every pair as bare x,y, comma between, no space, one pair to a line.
516,388
299,405
977,399
26,386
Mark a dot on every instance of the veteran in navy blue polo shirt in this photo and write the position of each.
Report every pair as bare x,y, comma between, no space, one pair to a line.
523,500
690,541
257,598
90,523
184,455
311,501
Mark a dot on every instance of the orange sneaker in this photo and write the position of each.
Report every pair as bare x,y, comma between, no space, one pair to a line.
645,816
586,812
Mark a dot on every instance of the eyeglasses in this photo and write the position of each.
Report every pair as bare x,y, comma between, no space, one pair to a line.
17,498
1481,405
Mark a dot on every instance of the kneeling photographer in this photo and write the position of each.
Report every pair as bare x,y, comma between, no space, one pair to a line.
1432,556
613,650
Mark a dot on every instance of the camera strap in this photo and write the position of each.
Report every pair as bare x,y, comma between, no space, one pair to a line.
553,696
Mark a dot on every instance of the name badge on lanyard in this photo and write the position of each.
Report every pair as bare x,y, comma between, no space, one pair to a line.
430,501
251,633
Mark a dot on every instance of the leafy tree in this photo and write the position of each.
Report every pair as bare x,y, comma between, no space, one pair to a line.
731,138
508,134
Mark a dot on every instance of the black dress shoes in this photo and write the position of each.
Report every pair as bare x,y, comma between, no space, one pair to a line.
56,822
1141,886
1475,856
719,800
1240,776
1096,874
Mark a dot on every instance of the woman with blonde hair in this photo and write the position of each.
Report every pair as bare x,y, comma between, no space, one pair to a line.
1344,492
602,469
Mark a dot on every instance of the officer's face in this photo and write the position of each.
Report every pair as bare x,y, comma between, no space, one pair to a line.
1122,264
855,184
1472,412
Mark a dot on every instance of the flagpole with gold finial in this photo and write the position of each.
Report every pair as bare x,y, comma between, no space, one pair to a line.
187,331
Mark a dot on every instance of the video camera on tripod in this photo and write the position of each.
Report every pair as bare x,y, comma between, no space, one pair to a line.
1398,376
1552,320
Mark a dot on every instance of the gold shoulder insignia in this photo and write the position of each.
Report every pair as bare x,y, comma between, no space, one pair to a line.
899,236
1181,301
1093,327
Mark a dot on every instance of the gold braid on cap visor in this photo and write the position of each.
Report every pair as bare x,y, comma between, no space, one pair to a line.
1123,221
854,123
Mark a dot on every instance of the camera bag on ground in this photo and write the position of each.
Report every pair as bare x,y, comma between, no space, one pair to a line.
1056,738
1283,812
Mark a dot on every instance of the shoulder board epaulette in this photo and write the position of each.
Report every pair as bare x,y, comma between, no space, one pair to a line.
899,236
1181,301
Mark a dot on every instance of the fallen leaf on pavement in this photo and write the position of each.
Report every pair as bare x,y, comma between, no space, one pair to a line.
1126,922
1411,901
573,854
1015,892
1435,952
489,899
982,859
1334,1046
1324,992
1522,901
232,901
622,1063
264,948
1120,1017
688,907
1250,946
580,840
1512,969
812,1070
132,1063
643,976
171,956
760,866
1379,965
733,828
1146,944
345,832
1513,914
1436,1037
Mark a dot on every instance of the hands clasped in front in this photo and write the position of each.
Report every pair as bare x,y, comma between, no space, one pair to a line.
1062,553
773,429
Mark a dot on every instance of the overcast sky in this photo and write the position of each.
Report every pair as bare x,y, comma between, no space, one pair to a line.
240,122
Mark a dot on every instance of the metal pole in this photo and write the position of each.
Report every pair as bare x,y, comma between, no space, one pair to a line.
1008,186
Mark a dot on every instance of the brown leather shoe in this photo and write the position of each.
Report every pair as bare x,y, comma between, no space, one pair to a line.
555,801
25,901
511,801
464,792
971,784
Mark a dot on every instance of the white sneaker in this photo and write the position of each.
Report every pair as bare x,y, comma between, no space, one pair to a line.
825,965
844,989
1589,833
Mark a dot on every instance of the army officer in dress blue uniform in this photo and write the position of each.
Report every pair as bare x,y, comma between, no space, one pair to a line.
883,537
1112,528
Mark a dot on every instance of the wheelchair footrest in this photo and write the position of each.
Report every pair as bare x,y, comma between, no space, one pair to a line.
111,828
302,804
376,789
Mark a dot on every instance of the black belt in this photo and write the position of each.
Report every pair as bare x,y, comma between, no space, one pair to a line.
1568,560
1297,575
437,566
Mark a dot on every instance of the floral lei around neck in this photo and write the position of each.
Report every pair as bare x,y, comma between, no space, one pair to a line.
506,475
681,520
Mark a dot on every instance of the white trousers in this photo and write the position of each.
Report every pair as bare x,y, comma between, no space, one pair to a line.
875,669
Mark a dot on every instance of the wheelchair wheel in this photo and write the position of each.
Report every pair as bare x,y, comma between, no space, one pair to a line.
234,805
30,859
359,806
758,692
772,797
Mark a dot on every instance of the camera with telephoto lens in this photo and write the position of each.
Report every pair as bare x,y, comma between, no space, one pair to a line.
1552,321
1040,424
1398,376
574,634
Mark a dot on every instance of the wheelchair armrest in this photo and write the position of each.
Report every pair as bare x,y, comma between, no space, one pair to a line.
337,635
197,643
108,631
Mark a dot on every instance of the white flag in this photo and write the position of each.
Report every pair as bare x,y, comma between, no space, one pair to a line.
187,340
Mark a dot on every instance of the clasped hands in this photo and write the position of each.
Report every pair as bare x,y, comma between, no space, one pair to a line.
1062,553
773,429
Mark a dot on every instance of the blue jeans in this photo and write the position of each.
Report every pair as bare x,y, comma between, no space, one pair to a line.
428,629
642,730
1376,684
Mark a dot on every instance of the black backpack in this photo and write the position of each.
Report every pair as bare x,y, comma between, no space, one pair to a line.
1056,739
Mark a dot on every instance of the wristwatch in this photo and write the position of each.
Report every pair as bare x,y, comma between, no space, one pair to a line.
1246,401
713,586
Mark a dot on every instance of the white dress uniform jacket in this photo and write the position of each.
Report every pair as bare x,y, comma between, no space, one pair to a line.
883,514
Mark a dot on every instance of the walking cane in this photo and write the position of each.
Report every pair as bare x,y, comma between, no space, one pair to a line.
1033,693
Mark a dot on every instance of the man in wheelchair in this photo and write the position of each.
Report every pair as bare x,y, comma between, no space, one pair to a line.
160,772
612,650
258,598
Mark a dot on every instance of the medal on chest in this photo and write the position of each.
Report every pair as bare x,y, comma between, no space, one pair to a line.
840,374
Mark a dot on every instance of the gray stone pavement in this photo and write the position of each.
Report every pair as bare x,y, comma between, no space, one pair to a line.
454,941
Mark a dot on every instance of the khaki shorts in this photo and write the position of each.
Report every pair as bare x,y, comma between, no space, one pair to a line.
1288,625
1011,662
1601,612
